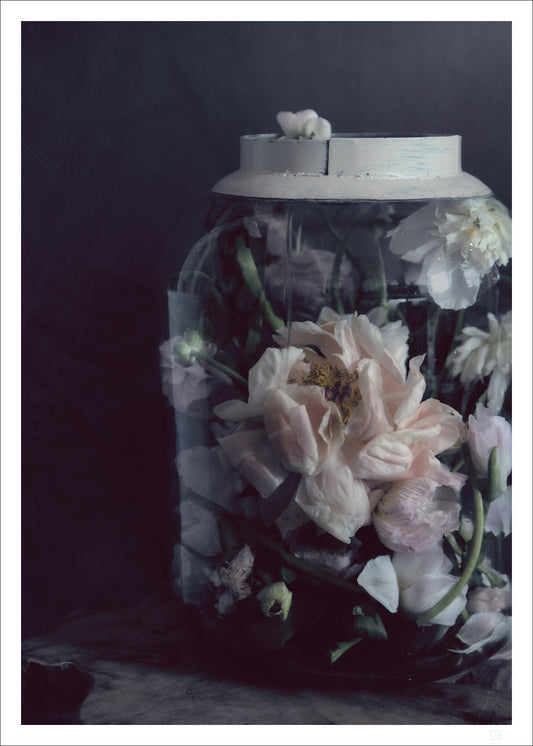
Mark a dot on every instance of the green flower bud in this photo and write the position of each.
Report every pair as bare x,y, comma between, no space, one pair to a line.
189,348
275,600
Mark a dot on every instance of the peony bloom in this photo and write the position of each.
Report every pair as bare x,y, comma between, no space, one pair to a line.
304,124
335,405
486,432
185,382
482,354
424,579
414,514
454,244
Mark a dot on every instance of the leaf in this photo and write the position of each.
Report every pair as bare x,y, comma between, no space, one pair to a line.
369,625
342,647
288,575
273,505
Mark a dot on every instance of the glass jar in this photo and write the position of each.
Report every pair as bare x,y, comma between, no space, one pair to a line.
339,366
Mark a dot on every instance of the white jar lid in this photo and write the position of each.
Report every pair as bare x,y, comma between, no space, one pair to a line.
351,167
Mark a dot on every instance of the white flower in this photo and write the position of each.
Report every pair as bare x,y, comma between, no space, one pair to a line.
232,579
454,244
486,432
424,580
481,354
185,382
499,515
304,124
415,582
337,408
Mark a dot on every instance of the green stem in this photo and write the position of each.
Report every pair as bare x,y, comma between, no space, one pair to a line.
470,566
252,279
494,475
209,361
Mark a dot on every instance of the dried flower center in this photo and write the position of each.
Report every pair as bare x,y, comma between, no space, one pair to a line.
340,386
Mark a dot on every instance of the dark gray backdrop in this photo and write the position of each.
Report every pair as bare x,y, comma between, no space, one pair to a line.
126,126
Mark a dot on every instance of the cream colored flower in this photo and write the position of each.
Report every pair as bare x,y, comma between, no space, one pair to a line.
453,244
304,124
485,353
337,407
185,382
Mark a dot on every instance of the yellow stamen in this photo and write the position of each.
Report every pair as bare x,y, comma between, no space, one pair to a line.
340,386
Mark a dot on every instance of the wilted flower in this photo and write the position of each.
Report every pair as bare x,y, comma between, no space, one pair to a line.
482,354
304,124
337,407
454,244
486,432
185,382
232,578
414,514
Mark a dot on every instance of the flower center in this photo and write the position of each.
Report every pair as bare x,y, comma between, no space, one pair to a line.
339,386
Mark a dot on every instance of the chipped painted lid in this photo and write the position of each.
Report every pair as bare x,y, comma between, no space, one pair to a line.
351,167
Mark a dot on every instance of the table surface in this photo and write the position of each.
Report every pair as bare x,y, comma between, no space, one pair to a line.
143,667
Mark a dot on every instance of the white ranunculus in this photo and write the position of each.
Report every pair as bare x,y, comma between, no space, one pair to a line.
453,245
485,353
305,124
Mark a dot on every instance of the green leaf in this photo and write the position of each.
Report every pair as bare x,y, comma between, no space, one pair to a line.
252,279
342,647
369,625
288,575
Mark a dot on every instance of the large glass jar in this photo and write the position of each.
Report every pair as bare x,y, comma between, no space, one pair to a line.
339,365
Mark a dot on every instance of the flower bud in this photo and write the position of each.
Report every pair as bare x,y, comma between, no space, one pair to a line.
275,600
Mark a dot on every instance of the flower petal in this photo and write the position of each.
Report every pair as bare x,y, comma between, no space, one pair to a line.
335,501
379,580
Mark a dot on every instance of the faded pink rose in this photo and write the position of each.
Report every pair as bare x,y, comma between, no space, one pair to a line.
335,405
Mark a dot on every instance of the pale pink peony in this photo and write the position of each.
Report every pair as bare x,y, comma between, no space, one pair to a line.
335,405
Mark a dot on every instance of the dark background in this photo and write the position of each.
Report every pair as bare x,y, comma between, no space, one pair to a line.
125,128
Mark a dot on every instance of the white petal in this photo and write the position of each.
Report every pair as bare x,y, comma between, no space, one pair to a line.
379,581
335,501
410,567
317,128
429,590
484,627
499,515
384,458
